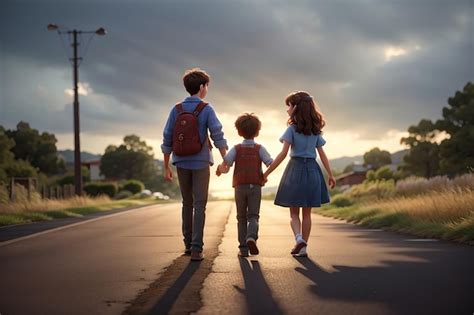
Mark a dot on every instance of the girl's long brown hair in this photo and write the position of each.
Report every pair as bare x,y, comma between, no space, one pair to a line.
307,119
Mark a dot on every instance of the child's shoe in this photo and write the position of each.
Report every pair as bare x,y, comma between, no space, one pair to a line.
196,256
301,253
252,245
299,245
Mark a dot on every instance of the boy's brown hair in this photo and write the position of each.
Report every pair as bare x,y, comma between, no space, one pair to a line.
248,125
193,78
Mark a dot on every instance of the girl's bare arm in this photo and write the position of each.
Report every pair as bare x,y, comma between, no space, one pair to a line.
324,159
279,158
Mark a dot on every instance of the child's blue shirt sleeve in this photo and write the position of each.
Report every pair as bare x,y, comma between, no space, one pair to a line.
167,146
229,158
215,129
320,141
265,156
288,135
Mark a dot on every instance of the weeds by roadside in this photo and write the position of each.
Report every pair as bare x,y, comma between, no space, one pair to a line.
49,209
439,207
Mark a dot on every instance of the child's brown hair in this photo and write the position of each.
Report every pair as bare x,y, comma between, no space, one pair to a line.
194,78
307,119
248,125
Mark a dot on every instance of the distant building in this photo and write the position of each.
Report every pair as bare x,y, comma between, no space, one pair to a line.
351,178
94,170
355,176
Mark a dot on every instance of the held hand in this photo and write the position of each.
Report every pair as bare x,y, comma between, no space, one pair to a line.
218,171
168,174
332,182
223,168
264,181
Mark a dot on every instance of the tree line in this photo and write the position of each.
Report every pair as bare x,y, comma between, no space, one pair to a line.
25,152
442,147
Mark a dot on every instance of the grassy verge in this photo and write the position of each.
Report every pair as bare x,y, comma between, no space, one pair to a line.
447,215
44,214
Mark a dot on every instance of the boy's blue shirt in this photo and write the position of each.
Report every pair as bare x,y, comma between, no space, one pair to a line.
207,120
301,145
229,158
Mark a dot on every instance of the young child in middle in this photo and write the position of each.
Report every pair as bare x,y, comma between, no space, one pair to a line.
247,181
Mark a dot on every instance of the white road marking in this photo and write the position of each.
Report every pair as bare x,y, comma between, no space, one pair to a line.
421,240
68,226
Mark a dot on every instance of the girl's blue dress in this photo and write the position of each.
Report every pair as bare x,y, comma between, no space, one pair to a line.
302,183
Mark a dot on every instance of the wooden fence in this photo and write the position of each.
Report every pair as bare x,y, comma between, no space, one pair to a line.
31,186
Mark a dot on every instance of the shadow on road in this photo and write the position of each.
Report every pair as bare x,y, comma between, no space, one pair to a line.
404,287
164,305
258,294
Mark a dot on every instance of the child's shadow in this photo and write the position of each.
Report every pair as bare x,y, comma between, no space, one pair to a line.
258,294
404,287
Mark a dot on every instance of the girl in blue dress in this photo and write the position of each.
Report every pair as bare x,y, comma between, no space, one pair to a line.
302,184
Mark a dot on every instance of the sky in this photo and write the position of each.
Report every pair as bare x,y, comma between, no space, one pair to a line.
373,67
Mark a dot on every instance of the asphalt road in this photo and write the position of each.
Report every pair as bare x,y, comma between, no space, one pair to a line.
131,262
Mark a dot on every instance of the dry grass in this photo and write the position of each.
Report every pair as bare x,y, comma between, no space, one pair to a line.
419,185
440,212
450,206
40,205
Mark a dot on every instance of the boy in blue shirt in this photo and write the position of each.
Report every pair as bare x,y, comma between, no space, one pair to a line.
194,170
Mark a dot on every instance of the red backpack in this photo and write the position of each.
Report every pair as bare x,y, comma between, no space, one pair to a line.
186,132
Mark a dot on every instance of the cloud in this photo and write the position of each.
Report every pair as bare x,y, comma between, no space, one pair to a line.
82,89
372,66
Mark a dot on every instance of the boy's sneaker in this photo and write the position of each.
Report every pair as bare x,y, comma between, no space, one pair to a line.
252,245
196,256
301,253
243,253
298,247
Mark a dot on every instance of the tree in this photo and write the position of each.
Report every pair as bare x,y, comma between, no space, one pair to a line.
9,167
131,160
134,160
133,142
377,158
6,156
423,157
38,149
457,151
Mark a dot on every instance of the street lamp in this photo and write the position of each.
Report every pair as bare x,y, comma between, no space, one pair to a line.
77,143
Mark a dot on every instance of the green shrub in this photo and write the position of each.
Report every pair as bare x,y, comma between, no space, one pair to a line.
342,201
68,179
97,189
372,190
133,186
123,194
383,173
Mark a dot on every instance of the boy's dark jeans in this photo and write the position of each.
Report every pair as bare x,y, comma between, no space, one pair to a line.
194,185
247,199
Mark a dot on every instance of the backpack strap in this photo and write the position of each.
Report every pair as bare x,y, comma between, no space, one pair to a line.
199,108
179,108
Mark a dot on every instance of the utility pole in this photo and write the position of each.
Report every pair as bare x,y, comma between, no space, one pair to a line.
77,139
75,62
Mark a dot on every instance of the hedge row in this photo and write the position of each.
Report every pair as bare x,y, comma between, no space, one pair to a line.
111,189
